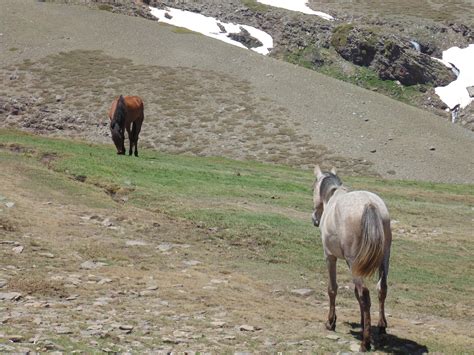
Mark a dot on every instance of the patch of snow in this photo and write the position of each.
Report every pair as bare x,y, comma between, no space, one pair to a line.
208,26
455,94
296,5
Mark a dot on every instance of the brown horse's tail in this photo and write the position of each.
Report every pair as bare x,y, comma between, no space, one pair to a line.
371,245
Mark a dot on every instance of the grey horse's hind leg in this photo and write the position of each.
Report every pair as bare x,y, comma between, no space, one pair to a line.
382,284
332,292
363,296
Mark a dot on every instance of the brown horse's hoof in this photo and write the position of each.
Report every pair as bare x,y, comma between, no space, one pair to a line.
331,325
382,330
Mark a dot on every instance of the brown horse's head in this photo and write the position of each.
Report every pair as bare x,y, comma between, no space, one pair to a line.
117,124
118,137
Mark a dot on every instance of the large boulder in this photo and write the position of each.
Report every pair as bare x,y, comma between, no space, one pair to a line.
392,57
356,45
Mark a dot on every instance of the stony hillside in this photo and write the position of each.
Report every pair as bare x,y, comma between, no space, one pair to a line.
387,51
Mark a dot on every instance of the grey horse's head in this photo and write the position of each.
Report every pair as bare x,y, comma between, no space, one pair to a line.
323,188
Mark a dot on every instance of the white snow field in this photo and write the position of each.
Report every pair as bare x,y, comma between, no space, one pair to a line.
296,5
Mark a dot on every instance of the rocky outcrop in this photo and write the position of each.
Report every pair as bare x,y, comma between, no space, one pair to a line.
245,38
392,57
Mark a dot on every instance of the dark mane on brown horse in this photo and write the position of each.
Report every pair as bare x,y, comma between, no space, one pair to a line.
119,114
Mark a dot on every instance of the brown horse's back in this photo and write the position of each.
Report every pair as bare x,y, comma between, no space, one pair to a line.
134,107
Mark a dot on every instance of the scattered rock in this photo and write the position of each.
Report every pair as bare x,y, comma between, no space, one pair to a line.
303,292
10,296
134,243
16,338
104,281
355,347
218,324
47,255
63,330
127,328
165,247
18,249
470,90
333,337
9,204
90,265
373,150
248,328
191,262
432,148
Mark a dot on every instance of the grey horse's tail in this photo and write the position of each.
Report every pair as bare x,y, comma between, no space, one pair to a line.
371,244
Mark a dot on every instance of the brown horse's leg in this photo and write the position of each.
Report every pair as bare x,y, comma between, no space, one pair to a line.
137,126
133,138
332,292
364,301
130,138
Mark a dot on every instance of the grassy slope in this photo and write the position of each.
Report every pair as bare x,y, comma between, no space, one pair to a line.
264,211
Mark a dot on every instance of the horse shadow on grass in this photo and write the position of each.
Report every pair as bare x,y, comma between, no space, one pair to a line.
388,342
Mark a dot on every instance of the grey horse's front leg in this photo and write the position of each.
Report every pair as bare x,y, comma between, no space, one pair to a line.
331,262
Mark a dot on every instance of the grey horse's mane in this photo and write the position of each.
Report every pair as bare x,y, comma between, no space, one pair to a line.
329,185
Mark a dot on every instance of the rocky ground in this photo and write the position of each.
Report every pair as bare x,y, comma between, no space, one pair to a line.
81,272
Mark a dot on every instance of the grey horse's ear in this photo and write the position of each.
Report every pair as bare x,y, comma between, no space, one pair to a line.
317,171
333,170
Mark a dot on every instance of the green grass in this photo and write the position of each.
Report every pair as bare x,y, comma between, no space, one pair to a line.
264,210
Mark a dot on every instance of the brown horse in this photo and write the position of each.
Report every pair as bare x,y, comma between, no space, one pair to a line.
355,226
124,113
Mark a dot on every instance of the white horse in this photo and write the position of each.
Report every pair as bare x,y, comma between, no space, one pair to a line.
355,226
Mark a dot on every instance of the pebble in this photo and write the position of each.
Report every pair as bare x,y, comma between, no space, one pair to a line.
248,328
10,204
126,327
63,330
191,262
355,347
47,255
218,324
333,337
165,247
16,338
18,249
